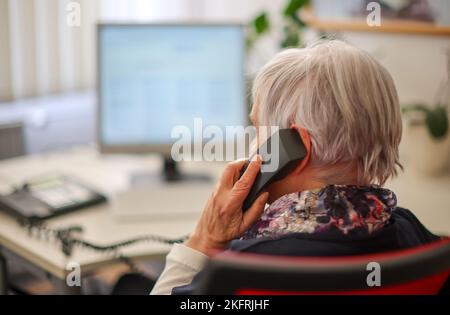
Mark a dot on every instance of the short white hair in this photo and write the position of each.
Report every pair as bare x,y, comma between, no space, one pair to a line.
343,97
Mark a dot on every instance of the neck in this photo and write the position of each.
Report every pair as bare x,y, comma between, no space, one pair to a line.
311,178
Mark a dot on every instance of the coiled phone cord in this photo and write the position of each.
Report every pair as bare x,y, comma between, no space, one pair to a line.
68,240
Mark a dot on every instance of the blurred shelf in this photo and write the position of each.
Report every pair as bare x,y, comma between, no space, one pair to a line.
388,26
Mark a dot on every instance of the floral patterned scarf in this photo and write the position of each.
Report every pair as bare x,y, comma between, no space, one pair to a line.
345,209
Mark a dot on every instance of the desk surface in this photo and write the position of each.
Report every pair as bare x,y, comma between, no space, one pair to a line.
428,198
110,175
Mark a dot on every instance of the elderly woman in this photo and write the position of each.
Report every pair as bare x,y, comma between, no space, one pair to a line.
344,105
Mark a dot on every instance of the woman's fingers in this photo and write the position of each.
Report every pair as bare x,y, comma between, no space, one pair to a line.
222,219
254,212
231,173
242,187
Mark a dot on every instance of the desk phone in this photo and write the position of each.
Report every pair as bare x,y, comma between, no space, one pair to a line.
49,197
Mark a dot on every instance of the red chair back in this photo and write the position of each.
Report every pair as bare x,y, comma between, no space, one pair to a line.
421,270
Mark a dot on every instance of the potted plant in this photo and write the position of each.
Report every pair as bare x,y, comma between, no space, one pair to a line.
427,138
292,25
427,135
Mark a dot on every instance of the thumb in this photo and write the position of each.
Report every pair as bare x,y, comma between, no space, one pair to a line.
255,211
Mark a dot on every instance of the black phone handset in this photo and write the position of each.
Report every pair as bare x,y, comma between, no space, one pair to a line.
291,151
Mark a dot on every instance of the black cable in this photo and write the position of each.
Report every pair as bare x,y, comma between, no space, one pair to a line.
67,239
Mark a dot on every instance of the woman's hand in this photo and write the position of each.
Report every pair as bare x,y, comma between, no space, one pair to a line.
222,219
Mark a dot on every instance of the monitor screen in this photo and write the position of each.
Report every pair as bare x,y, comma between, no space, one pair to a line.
155,77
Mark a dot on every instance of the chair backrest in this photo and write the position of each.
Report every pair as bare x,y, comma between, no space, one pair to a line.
421,270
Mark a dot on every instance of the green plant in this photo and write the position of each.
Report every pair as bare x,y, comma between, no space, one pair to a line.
436,119
292,25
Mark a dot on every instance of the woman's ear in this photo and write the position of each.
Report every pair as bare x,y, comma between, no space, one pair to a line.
306,139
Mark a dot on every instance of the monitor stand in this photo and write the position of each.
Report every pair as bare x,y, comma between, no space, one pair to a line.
170,173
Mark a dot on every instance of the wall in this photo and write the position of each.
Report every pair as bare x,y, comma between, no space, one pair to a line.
418,64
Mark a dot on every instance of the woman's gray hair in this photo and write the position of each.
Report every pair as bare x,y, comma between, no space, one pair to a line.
343,97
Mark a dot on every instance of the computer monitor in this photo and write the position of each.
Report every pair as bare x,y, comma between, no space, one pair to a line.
153,77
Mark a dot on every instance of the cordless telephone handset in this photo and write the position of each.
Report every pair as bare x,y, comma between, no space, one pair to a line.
291,151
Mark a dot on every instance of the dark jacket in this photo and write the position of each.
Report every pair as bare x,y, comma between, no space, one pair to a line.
403,231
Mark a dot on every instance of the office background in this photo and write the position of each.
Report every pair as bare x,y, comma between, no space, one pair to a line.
48,102
42,55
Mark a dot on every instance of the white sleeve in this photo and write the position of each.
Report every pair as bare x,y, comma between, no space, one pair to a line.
182,264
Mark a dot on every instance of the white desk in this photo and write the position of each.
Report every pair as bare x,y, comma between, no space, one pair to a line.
108,174
428,198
